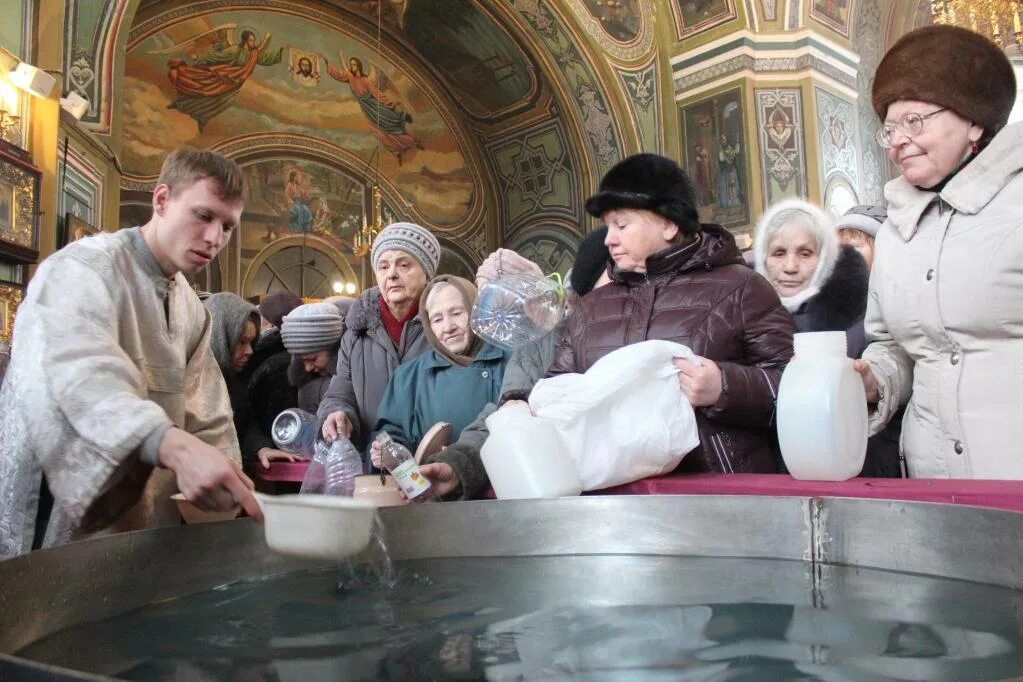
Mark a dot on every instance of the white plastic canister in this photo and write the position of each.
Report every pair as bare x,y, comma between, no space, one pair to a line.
822,410
525,458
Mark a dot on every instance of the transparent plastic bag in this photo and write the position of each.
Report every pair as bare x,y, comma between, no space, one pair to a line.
512,311
333,469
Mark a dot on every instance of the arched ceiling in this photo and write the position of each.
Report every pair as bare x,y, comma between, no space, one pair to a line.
479,58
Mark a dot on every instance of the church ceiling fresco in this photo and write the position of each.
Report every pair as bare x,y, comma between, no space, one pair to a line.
695,16
476,58
586,91
621,19
204,79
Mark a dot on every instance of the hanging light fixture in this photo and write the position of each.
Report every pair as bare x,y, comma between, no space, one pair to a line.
1000,20
364,237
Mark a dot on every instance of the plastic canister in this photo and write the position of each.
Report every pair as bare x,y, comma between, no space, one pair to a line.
525,458
822,410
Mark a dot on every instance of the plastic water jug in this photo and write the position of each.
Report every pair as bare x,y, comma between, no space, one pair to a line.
525,458
822,410
515,310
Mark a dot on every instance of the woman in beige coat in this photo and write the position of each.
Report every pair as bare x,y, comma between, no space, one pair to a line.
945,311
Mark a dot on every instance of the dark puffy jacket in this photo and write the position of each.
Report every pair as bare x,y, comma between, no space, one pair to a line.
707,299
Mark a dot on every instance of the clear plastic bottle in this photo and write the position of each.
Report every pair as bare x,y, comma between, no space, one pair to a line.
343,465
399,461
295,431
515,310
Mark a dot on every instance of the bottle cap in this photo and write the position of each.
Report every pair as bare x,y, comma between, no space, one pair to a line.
820,344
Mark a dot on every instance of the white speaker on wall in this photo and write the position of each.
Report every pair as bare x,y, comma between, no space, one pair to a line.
74,104
32,79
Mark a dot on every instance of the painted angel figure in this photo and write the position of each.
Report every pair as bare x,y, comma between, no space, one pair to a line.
218,69
384,114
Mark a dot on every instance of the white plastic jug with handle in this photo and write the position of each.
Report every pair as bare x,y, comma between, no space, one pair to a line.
525,457
822,410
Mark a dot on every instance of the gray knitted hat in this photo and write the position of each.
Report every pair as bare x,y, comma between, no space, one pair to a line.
312,327
865,218
415,240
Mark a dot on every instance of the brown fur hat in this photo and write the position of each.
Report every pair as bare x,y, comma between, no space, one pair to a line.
951,67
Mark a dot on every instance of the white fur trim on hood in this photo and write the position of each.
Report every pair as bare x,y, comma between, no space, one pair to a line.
822,225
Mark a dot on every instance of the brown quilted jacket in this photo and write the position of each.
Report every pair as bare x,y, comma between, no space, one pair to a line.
705,298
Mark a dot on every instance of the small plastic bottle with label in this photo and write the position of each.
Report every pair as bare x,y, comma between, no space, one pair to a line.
399,461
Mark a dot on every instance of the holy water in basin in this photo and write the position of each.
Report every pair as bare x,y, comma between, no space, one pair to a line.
615,597
543,616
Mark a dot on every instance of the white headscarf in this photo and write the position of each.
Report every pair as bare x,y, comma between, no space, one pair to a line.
820,224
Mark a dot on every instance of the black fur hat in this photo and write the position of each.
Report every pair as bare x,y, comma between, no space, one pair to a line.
649,182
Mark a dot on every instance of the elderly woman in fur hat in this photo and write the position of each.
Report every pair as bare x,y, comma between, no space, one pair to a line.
452,381
945,312
233,329
676,279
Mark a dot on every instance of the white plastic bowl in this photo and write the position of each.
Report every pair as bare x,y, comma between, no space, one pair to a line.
316,526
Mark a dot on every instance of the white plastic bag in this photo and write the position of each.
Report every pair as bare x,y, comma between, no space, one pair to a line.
624,419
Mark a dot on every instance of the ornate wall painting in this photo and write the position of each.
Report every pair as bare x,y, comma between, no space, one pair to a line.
552,247
832,13
289,198
209,78
536,175
584,85
644,93
76,228
19,206
90,34
716,156
620,19
770,8
694,16
782,154
10,299
836,125
868,33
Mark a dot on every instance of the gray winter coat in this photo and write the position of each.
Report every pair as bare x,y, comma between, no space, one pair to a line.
365,362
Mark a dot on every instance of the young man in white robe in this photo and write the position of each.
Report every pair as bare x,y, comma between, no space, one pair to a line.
113,392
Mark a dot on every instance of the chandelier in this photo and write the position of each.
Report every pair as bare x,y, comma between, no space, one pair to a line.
364,237
1000,20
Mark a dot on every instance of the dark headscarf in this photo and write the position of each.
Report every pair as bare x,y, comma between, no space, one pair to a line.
468,292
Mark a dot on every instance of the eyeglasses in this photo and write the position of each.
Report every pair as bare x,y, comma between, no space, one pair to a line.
910,125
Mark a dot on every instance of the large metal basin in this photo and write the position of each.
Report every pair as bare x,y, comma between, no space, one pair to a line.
48,591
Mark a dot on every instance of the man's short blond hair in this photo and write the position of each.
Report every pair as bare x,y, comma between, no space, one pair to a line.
185,166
